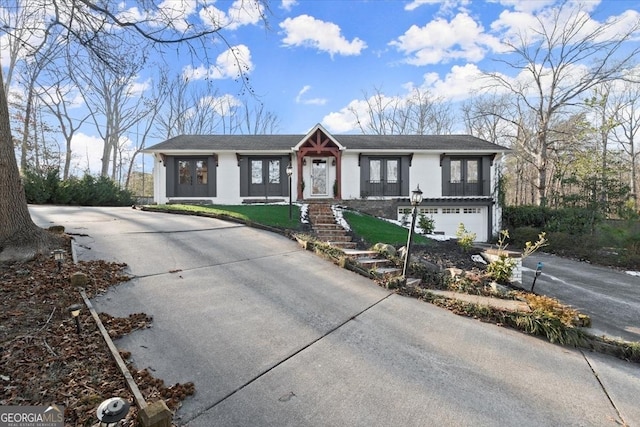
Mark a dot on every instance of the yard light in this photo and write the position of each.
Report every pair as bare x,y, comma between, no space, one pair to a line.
58,255
74,310
416,199
289,173
538,273
112,410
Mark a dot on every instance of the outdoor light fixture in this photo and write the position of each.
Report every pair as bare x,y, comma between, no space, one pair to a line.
289,173
416,199
74,310
58,255
112,410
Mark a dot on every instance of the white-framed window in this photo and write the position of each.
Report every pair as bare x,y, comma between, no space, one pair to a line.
428,211
471,210
450,210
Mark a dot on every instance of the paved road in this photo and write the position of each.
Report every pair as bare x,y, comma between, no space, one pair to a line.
273,335
610,297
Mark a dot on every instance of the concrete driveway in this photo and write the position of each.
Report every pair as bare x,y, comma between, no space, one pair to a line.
273,335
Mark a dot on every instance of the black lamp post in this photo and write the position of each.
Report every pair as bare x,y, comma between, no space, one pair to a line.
416,199
289,173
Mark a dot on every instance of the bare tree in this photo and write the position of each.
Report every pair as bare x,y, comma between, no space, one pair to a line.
418,113
56,99
94,26
559,61
627,129
196,109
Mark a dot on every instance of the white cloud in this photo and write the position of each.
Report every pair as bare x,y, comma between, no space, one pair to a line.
288,4
223,105
241,12
440,41
310,101
342,121
528,5
460,83
230,64
445,4
175,13
526,23
136,89
86,153
305,30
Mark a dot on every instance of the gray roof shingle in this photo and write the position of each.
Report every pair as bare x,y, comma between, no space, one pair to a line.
351,142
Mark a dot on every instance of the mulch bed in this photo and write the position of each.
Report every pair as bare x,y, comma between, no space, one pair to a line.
43,360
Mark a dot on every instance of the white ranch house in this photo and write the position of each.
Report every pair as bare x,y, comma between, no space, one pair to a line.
375,173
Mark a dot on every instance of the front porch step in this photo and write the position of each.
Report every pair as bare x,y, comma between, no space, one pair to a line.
334,237
357,253
323,224
343,245
389,271
372,263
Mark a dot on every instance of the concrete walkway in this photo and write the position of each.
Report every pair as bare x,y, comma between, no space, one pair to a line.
273,335
499,303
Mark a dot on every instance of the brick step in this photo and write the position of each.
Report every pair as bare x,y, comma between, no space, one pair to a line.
334,238
359,253
371,263
327,219
343,245
330,231
327,225
389,271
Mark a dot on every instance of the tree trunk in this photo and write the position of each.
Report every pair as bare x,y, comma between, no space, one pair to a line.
20,238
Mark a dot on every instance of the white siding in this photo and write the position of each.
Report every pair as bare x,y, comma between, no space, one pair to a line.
350,176
426,172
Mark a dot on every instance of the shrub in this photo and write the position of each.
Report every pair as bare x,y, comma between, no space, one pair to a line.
427,224
40,186
567,220
465,237
46,187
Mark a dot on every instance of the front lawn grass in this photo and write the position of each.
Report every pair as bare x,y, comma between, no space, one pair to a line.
374,230
270,215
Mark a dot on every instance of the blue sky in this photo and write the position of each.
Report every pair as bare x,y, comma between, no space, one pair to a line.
318,58
322,56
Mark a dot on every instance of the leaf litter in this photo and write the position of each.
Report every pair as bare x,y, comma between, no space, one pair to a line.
43,359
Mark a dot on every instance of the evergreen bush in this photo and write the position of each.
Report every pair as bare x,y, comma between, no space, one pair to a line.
47,187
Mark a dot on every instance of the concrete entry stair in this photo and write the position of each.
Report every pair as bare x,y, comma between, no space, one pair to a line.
325,228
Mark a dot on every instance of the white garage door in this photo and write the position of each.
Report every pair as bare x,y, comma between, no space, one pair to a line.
447,219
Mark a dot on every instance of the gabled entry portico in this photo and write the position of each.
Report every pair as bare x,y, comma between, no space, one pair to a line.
319,161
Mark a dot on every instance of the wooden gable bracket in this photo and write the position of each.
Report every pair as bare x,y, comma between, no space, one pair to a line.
410,159
239,158
359,158
492,158
442,156
163,159
215,157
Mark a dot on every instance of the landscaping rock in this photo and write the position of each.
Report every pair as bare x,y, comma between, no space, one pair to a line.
387,250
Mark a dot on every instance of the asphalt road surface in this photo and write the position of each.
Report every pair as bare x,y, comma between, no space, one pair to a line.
610,297
273,335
